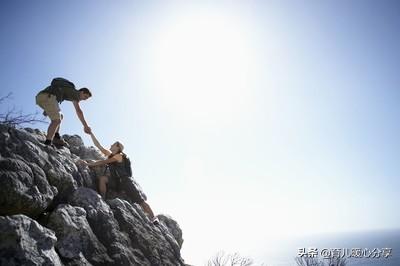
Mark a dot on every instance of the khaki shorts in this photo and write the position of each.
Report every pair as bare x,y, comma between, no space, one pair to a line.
49,104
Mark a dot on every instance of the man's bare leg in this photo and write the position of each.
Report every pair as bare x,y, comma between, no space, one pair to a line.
54,125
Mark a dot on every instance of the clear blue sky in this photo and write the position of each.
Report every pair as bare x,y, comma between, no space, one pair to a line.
258,119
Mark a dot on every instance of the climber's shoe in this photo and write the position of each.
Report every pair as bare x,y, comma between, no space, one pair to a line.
59,142
49,143
156,221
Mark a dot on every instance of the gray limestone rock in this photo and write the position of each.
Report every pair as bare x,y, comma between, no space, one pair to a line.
23,188
75,237
106,228
25,242
173,228
156,243
49,184
78,148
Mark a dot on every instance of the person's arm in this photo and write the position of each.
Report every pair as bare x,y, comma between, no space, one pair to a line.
102,162
79,113
98,145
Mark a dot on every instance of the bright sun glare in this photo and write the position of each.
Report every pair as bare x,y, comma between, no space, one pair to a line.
203,66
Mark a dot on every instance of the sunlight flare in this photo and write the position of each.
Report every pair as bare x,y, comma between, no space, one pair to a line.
203,67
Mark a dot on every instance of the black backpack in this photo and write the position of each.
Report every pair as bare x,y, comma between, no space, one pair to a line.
127,164
121,170
62,83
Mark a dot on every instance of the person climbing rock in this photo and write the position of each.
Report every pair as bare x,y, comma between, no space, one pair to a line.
49,99
118,168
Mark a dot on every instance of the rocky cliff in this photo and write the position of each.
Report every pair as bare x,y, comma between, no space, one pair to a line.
51,214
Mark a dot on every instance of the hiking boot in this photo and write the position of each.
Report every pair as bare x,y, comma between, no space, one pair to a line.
59,142
48,143
156,221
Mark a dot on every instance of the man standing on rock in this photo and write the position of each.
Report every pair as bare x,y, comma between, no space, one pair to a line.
49,99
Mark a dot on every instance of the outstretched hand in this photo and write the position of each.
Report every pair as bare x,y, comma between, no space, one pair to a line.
85,163
87,130
82,162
